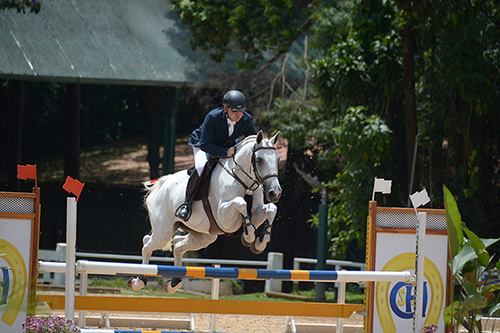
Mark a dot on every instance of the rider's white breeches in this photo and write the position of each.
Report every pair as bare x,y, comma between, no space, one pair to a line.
200,159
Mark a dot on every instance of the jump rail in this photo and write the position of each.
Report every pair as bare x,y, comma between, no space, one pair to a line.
110,268
212,306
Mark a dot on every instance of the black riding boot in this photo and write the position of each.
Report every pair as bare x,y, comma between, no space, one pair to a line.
184,210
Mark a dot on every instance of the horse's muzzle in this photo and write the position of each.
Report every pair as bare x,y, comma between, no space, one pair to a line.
274,195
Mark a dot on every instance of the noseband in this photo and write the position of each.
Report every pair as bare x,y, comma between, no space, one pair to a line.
255,182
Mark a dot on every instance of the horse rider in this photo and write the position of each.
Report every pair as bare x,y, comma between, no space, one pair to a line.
217,136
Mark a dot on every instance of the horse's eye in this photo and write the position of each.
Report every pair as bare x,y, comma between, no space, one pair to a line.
258,160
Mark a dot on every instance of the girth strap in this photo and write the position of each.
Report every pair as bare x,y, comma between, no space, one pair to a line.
214,228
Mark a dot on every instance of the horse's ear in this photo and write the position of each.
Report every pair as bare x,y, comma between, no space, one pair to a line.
275,138
260,135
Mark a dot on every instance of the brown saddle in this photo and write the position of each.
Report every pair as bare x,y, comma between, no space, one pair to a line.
204,182
202,194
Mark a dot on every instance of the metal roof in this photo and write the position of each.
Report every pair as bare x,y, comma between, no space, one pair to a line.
140,42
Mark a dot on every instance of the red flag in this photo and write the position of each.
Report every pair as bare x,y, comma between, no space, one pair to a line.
73,186
27,172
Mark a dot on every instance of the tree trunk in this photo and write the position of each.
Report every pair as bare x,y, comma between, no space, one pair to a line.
409,86
72,127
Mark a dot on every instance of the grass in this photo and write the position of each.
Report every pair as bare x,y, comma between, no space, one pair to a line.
354,294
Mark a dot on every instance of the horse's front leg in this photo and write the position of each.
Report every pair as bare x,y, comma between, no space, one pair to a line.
239,203
150,244
158,239
262,213
267,213
192,241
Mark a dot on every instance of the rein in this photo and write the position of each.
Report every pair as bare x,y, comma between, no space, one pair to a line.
255,182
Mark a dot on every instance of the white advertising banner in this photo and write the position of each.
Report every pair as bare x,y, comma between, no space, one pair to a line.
15,252
394,301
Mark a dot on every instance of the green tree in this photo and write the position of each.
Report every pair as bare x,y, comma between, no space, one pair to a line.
254,29
361,71
458,103
21,5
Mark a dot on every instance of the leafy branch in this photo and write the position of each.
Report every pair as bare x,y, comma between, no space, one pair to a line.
472,267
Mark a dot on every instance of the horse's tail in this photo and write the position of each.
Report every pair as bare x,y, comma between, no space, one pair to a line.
152,187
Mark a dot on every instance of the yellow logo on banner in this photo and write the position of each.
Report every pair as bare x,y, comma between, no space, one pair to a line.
15,260
397,301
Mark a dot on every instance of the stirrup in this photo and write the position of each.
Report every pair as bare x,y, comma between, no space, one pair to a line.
186,206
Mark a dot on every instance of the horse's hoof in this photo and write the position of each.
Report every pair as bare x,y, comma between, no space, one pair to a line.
169,288
136,283
248,236
255,251
258,247
245,241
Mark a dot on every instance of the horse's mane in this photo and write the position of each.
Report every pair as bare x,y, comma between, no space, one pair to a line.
245,141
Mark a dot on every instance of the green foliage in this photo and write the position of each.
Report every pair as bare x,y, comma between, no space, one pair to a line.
21,5
342,76
457,53
362,146
454,222
471,266
458,99
363,66
332,22
295,119
357,144
248,27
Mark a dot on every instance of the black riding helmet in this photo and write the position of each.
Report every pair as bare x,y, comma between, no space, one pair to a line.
235,100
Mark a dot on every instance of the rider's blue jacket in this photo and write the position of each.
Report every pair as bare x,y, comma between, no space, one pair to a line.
213,136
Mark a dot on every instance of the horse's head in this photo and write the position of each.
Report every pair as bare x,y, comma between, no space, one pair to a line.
265,160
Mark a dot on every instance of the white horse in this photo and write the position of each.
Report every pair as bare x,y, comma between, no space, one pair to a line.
253,168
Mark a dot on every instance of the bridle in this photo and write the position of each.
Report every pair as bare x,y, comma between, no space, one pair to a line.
256,171
258,180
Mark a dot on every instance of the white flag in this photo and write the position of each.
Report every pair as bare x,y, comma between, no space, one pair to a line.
381,185
419,198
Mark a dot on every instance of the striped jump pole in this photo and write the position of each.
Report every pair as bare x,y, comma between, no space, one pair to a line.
110,268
